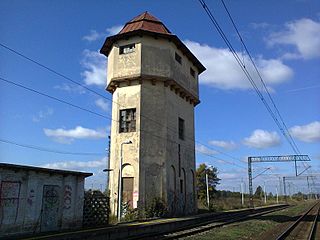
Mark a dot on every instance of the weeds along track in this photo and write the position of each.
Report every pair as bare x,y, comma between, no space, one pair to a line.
304,227
218,220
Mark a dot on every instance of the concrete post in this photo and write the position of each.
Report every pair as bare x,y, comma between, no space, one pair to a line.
208,200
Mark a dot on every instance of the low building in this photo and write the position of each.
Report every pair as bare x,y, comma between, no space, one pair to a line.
34,199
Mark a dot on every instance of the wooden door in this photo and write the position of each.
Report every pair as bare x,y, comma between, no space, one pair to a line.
127,192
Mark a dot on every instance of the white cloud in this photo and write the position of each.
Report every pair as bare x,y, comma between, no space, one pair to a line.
104,105
77,165
307,133
95,35
262,139
204,150
92,36
114,30
225,176
71,89
259,25
67,136
223,71
96,68
97,181
42,115
303,35
229,145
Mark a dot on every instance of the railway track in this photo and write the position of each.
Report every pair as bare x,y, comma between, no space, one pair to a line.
305,227
217,221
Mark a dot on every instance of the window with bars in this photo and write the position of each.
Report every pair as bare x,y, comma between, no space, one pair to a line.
181,128
127,120
127,48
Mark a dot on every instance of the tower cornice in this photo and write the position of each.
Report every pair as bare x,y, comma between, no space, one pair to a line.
167,82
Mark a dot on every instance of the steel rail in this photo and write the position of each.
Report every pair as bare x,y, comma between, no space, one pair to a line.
210,224
312,233
287,232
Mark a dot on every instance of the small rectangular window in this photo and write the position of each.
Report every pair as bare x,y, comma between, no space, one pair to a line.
178,58
181,128
127,49
192,72
127,120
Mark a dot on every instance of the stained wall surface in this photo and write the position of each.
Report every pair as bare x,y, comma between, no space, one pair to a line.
163,165
35,201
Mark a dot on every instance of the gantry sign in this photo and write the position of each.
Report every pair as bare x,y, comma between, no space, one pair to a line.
287,158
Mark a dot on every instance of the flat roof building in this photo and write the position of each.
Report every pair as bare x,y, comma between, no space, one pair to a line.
34,199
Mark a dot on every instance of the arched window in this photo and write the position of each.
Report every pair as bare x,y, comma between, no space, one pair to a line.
172,179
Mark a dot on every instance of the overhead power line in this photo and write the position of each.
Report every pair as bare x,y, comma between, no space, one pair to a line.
285,130
282,126
53,98
92,112
43,149
51,70
95,92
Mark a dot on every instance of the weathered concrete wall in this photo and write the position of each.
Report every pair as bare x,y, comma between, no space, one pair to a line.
162,150
36,202
124,98
163,165
124,65
158,59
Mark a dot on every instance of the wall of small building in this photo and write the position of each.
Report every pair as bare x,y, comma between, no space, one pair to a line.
33,202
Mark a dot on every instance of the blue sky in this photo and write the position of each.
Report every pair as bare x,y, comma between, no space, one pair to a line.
283,37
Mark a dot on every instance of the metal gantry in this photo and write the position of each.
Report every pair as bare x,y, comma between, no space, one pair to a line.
286,158
307,177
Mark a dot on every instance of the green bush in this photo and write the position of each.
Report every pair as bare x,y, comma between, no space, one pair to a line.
131,215
157,208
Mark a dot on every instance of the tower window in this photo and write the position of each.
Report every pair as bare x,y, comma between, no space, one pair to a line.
127,120
177,57
181,128
192,72
127,48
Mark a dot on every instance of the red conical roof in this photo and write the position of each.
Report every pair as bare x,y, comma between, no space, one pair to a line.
146,22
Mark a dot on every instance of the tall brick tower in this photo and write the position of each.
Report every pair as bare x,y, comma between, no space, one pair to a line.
153,78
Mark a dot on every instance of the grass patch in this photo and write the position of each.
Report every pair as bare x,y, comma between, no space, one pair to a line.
254,228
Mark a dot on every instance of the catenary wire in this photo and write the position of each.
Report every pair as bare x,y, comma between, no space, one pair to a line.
285,130
243,68
261,79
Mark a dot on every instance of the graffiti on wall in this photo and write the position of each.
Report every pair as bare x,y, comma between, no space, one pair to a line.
50,208
67,197
9,201
31,197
